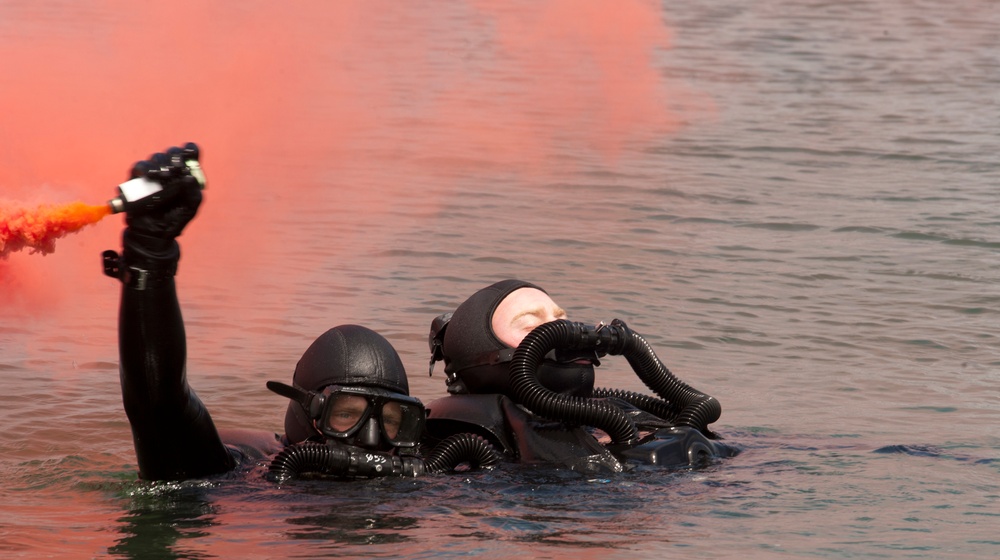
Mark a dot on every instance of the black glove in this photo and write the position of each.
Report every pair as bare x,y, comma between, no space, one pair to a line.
155,221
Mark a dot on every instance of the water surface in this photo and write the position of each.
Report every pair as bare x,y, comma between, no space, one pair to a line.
794,201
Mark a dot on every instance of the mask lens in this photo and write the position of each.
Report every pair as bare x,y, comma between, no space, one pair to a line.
349,411
346,411
392,418
402,422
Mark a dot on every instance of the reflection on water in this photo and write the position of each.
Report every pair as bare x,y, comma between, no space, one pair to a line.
517,507
165,526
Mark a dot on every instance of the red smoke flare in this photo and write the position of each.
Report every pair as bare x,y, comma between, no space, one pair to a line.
39,228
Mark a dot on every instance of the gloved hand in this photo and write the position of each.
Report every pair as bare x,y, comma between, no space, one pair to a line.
156,221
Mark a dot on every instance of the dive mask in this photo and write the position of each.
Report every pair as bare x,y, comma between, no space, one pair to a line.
347,413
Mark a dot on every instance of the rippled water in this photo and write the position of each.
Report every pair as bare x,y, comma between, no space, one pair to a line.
794,201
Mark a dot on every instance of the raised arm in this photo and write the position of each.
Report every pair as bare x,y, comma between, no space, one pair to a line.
174,435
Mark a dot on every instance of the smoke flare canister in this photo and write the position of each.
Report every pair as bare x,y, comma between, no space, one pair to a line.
135,190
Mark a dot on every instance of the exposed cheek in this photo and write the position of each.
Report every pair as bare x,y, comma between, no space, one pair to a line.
524,332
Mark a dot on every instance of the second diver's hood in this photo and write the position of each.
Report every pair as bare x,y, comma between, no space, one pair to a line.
477,362
348,355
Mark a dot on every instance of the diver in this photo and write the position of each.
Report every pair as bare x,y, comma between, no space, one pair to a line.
522,376
350,413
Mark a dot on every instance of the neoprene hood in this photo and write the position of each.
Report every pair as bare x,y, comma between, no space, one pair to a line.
348,355
476,361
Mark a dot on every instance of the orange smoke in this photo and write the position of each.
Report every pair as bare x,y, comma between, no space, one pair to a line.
39,228
365,108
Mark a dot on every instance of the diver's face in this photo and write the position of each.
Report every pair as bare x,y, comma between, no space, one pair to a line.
348,410
520,312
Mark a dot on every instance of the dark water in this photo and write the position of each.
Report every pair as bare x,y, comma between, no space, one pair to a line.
795,202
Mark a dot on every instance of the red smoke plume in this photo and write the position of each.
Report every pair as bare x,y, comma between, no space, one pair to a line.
38,229
356,107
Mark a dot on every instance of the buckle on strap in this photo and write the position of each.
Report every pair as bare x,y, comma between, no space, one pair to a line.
111,261
133,277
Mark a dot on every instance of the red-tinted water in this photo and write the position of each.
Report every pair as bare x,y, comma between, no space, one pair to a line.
793,201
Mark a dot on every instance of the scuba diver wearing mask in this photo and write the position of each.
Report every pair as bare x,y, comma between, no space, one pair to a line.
350,416
350,412
350,386
522,376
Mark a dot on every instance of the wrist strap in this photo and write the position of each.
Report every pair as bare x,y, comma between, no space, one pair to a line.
135,277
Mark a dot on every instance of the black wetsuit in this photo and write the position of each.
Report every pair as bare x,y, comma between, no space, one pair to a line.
522,436
530,439
174,435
